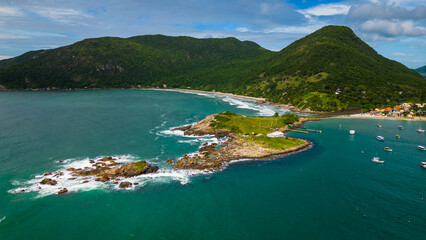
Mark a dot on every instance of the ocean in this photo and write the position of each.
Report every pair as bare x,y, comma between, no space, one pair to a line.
331,191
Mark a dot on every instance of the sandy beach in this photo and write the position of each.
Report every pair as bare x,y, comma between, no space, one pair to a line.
369,116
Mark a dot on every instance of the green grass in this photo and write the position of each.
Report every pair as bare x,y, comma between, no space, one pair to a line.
255,129
140,165
275,143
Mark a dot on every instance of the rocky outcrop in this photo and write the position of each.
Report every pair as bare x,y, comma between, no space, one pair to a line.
62,191
105,172
125,185
200,128
48,181
169,161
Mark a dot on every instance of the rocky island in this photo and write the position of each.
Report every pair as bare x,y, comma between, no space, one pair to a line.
240,137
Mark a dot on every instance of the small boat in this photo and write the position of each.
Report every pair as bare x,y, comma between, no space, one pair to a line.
400,127
388,149
422,148
340,125
351,132
420,130
380,138
423,164
377,160
397,136
379,126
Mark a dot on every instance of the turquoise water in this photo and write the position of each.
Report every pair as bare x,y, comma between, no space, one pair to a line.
332,191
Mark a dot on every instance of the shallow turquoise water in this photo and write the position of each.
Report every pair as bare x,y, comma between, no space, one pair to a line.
332,191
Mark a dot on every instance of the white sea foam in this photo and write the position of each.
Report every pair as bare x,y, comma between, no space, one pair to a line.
62,177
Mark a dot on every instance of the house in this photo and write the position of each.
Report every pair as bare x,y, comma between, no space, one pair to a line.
275,134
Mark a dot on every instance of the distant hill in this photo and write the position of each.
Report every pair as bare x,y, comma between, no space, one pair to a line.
421,70
327,70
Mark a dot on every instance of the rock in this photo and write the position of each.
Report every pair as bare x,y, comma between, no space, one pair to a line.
125,184
105,159
47,174
91,161
169,161
72,169
62,191
73,178
86,181
102,179
151,169
48,181
184,128
135,183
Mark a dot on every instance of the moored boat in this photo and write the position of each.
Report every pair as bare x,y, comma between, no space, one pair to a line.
388,149
377,160
423,164
422,148
351,132
380,138
379,126
420,130
397,136
400,127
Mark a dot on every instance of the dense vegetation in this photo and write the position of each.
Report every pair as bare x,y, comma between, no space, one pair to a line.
255,129
327,70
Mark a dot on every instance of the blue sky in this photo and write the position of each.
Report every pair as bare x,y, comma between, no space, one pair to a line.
395,28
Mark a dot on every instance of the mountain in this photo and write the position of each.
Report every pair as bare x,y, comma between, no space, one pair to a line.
327,70
421,70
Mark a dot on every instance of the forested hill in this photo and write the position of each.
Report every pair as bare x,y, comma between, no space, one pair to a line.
327,70
421,70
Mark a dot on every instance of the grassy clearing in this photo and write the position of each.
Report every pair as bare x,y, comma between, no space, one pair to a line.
255,129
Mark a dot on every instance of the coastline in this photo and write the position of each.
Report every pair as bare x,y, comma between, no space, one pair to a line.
260,100
369,116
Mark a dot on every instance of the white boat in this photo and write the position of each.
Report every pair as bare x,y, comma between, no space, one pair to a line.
380,138
420,130
351,132
401,127
421,148
423,164
379,126
377,160
388,149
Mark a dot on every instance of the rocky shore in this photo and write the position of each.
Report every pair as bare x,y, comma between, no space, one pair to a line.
215,156
102,170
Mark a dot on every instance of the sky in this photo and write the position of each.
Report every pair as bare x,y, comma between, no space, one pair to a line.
394,28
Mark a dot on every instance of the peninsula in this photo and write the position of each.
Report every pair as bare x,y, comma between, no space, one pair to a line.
241,137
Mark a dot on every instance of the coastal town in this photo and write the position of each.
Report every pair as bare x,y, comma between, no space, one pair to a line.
404,110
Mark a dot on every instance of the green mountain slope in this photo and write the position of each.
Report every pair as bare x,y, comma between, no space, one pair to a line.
333,59
307,73
115,62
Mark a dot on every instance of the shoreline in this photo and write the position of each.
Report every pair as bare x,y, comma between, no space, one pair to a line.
259,100
368,116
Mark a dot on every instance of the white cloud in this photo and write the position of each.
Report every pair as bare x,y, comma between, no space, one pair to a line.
242,29
399,54
325,10
294,29
5,57
385,11
393,28
10,12
60,14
